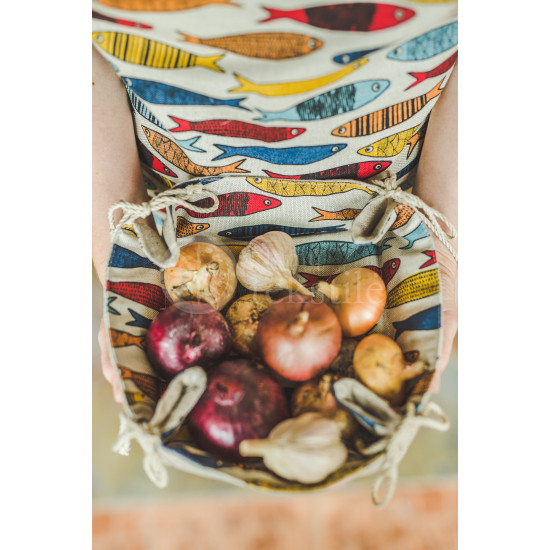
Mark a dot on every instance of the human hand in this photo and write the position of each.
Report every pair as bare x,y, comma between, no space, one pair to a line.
107,367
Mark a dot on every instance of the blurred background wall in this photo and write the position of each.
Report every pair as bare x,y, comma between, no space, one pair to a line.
192,513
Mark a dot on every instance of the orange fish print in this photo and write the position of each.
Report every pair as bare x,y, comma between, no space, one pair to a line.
169,150
346,214
148,384
121,339
404,214
185,228
161,5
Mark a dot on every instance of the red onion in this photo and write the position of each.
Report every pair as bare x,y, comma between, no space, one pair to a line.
240,402
298,337
186,334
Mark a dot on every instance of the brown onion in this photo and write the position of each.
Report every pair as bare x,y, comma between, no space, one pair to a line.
316,396
358,297
243,317
379,363
203,272
298,337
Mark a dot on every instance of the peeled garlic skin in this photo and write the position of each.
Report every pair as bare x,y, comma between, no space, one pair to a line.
379,363
203,272
305,449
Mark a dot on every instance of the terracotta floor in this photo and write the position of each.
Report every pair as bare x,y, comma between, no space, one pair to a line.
130,513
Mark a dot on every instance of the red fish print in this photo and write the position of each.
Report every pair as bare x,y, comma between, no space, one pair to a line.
238,203
431,261
237,128
153,162
146,294
439,70
314,279
97,15
359,170
352,16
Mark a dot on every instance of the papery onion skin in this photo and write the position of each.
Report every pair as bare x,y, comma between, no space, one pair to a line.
358,297
240,402
298,337
203,272
243,316
186,334
379,363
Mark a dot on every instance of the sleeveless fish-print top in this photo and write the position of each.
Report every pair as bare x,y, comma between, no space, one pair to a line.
282,90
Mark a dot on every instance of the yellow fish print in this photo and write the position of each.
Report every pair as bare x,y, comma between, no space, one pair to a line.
299,87
263,45
185,228
346,214
174,154
121,339
161,5
150,53
389,146
130,229
292,188
417,286
135,397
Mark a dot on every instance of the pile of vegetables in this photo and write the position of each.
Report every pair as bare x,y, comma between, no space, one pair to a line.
271,363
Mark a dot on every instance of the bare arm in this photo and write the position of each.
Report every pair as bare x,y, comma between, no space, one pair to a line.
116,172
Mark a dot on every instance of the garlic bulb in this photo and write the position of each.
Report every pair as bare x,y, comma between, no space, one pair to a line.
305,449
269,262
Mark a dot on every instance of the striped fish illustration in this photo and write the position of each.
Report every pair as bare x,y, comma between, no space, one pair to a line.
431,256
185,228
237,203
138,320
428,319
136,24
127,259
428,45
287,155
121,339
404,214
141,108
408,168
164,94
237,128
263,45
146,294
334,102
348,57
415,287
336,252
248,232
150,53
358,171
346,214
442,68
351,16
170,151
162,5
387,117
419,232
286,188
150,385
389,146
147,158
295,87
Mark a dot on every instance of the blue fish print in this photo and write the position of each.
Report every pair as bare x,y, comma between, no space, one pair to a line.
157,92
348,57
419,232
110,308
188,144
122,257
336,252
247,232
427,45
140,107
287,155
332,103
204,181
425,320
139,320
406,170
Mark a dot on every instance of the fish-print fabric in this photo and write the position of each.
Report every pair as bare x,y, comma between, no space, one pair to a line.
284,110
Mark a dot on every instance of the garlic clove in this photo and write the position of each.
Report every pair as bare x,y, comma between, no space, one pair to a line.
305,449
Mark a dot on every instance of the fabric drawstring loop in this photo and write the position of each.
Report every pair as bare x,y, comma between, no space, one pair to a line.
389,188
396,445
170,197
